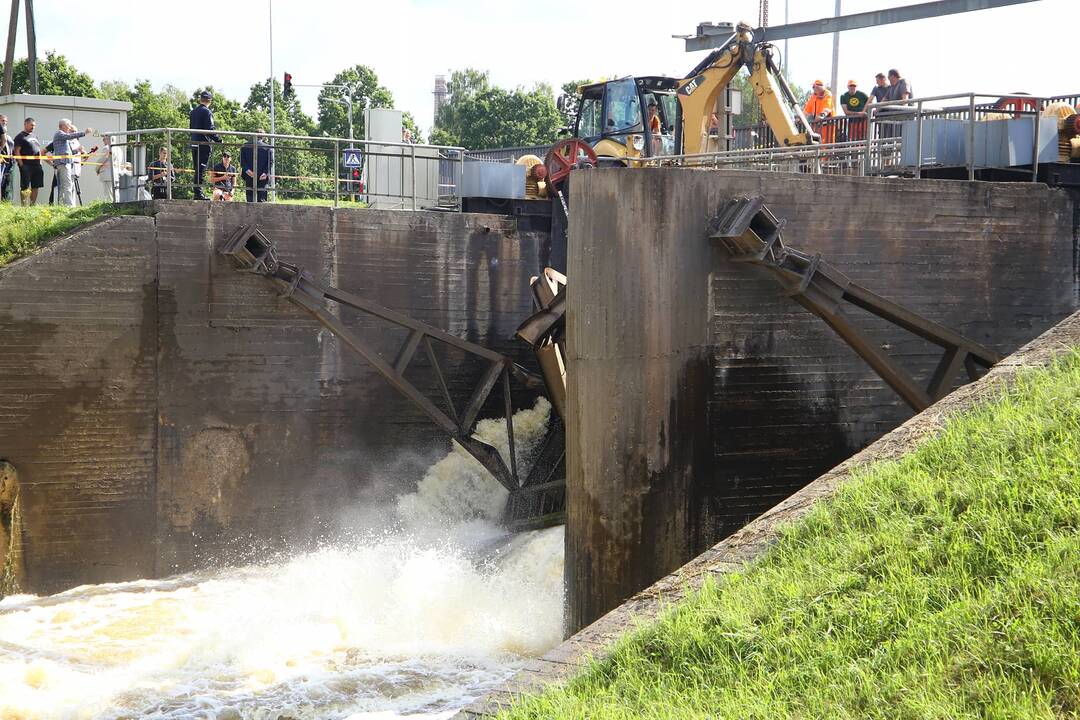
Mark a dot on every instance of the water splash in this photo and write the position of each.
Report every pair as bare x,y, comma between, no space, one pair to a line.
389,626
457,489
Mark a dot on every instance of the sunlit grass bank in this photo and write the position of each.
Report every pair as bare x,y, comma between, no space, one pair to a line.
944,585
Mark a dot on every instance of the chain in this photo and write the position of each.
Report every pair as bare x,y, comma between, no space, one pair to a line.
763,13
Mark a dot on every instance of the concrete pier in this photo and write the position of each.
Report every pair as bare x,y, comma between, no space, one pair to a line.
700,396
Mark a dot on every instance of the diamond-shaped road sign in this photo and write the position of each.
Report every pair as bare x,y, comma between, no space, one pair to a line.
352,158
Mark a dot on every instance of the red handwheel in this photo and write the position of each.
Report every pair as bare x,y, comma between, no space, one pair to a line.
562,157
1017,104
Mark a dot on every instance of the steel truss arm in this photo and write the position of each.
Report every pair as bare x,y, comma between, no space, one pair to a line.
750,233
251,250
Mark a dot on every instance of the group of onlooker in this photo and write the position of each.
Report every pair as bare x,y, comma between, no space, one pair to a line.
854,103
256,158
65,153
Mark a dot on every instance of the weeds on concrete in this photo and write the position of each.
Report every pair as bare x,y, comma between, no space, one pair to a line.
24,229
943,585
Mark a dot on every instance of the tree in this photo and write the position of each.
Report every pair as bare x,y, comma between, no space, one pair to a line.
751,108
290,118
226,110
478,115
333,114
464,85
56,76
571,102
152,109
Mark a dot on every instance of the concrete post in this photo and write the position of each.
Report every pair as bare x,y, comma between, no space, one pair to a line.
638,381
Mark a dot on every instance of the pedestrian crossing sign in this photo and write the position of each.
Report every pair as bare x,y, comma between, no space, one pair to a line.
352,159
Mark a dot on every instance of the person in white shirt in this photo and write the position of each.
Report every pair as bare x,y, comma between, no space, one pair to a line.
110,167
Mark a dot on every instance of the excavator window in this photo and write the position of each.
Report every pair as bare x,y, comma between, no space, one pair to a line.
590,125
622,108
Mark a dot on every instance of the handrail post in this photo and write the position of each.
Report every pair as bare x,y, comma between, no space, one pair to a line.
970,155
919,139
337,179
1035,143
871,112
169,165
412,152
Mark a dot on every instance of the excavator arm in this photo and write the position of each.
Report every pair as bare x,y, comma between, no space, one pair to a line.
699,91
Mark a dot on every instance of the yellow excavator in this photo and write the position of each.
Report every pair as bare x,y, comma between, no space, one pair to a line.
615,117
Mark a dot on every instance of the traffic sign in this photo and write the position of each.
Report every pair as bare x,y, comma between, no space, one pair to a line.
353,158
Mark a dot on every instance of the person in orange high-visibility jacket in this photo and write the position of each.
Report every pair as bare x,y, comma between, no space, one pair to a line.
819,107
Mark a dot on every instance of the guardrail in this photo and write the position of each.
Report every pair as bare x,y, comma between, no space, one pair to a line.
509,154
321,170
905,137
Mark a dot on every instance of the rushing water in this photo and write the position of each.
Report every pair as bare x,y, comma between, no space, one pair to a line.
411,622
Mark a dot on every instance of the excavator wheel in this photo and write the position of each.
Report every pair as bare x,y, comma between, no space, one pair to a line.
562,158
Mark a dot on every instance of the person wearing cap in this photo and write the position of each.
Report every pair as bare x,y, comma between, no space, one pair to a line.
819,107
223,177
201,118
854,104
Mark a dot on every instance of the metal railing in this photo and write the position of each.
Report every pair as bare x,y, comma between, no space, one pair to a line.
507,155
389,175
907,137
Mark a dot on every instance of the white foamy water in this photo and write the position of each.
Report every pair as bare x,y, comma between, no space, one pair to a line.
397,625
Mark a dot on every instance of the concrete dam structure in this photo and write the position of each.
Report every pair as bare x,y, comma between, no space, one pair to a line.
164,412
700,395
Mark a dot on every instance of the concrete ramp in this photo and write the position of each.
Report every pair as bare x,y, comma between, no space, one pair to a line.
165,413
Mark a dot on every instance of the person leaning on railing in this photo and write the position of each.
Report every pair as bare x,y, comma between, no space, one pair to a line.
854,103
818,107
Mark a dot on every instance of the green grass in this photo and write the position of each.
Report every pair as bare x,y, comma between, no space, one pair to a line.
943,585
24,229
321,202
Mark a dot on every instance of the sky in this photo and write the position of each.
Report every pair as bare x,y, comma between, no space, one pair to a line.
408,42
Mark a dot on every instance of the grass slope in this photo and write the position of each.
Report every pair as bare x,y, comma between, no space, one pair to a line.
943,585
24,229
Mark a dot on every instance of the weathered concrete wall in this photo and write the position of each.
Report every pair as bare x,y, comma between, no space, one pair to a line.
753,541
78,345
166,411
699,395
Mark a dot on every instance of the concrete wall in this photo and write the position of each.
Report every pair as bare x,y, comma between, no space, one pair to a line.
165,411
699,395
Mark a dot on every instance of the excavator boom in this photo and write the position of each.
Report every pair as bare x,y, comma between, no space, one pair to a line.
700,90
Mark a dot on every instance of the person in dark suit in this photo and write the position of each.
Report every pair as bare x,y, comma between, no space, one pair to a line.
256,160
201,118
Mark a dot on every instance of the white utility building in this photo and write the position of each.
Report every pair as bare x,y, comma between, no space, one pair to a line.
101,115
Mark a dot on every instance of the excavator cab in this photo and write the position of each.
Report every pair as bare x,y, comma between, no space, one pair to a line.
612,118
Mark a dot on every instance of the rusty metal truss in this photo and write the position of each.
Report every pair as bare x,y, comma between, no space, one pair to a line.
750,233
250,250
